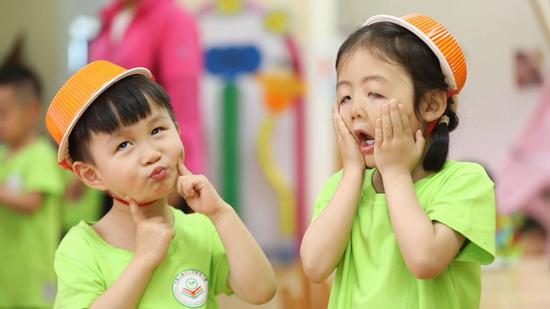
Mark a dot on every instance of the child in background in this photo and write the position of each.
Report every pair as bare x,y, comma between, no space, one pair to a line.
81,203
116,132
31,191
403,226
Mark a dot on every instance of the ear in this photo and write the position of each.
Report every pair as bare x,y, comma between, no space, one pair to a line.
88,175
433,105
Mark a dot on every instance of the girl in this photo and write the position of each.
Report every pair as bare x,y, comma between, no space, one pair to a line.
404,227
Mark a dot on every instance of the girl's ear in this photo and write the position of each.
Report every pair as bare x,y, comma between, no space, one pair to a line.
434,104
88,175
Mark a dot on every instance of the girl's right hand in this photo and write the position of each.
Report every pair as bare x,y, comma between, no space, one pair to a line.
352,158
153,237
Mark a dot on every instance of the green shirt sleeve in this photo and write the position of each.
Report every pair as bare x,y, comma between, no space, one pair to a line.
43,174
326,194
79,281
466,203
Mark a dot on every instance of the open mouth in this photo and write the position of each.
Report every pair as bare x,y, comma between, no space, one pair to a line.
364,139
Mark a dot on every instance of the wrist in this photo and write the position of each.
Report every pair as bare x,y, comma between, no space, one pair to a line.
143,264
223,210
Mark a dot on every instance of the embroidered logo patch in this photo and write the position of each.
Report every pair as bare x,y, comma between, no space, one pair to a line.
190,288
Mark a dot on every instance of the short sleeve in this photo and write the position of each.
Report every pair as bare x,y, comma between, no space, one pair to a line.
79,281
326,194
220,264
466,203
42,173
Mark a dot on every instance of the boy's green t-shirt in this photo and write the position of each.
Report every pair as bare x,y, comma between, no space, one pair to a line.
372,272
28,241
193,272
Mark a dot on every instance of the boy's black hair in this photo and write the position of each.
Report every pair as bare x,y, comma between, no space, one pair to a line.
15,73
123,104
22,79
396,44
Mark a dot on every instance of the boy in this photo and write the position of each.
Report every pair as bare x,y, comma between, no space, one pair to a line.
116,131
30,195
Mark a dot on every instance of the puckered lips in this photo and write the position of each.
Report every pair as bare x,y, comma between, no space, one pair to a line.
365,140
159,173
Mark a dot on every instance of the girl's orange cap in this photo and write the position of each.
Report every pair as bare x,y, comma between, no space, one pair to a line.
441,42
74,97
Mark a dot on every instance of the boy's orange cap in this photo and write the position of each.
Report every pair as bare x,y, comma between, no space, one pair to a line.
74,97
441,42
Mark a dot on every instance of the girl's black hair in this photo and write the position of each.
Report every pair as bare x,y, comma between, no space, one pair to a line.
396,44
123,104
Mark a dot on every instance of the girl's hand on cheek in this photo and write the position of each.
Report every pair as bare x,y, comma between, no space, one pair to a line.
348,147
198,192
396,148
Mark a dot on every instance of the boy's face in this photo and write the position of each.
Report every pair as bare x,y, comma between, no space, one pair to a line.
139,161
16,117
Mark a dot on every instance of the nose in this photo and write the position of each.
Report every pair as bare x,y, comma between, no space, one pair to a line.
150,154
355,109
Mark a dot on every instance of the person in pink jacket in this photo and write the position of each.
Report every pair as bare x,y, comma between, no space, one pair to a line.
163,37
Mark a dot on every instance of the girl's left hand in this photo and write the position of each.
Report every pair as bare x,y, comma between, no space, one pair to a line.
396,149
198,192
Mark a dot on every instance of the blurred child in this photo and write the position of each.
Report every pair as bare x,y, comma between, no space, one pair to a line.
81,203
116,132
403,226
30,195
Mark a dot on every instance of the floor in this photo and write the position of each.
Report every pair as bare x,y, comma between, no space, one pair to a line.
523,285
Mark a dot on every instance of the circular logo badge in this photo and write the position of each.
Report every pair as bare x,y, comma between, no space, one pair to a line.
190,288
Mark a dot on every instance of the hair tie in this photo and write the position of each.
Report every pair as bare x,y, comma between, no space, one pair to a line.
444,120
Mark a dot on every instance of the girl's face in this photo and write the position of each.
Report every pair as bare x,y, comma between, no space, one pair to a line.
140,160
365,82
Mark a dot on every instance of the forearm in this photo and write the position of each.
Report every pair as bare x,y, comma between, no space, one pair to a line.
21,202
251,275
127,290
326,238
414,230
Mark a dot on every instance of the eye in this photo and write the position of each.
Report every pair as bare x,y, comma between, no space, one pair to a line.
123,145
374,95
157,130
345,99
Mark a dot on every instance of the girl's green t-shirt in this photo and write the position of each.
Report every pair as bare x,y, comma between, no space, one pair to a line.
372,272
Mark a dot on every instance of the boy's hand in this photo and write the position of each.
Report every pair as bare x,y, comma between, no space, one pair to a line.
153,236
198,192
396,149
352,158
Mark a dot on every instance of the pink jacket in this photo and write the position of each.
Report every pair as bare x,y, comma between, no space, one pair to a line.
163,38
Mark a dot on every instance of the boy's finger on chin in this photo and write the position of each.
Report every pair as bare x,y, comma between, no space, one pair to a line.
137,215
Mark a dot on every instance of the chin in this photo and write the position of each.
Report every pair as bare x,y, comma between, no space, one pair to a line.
369,162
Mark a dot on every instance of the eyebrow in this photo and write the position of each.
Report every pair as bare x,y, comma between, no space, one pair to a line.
365,79
120,132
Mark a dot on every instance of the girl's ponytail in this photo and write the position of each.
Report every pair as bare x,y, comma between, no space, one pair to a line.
437,153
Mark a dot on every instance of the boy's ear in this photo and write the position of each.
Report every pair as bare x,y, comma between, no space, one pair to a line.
88,175
433,105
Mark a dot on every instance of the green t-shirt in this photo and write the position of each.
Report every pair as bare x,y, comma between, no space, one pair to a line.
372,272
193,272
28,241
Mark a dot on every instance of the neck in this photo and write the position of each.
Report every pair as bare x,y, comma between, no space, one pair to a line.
158,208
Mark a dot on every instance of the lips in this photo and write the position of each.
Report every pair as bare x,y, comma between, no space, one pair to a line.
159,173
